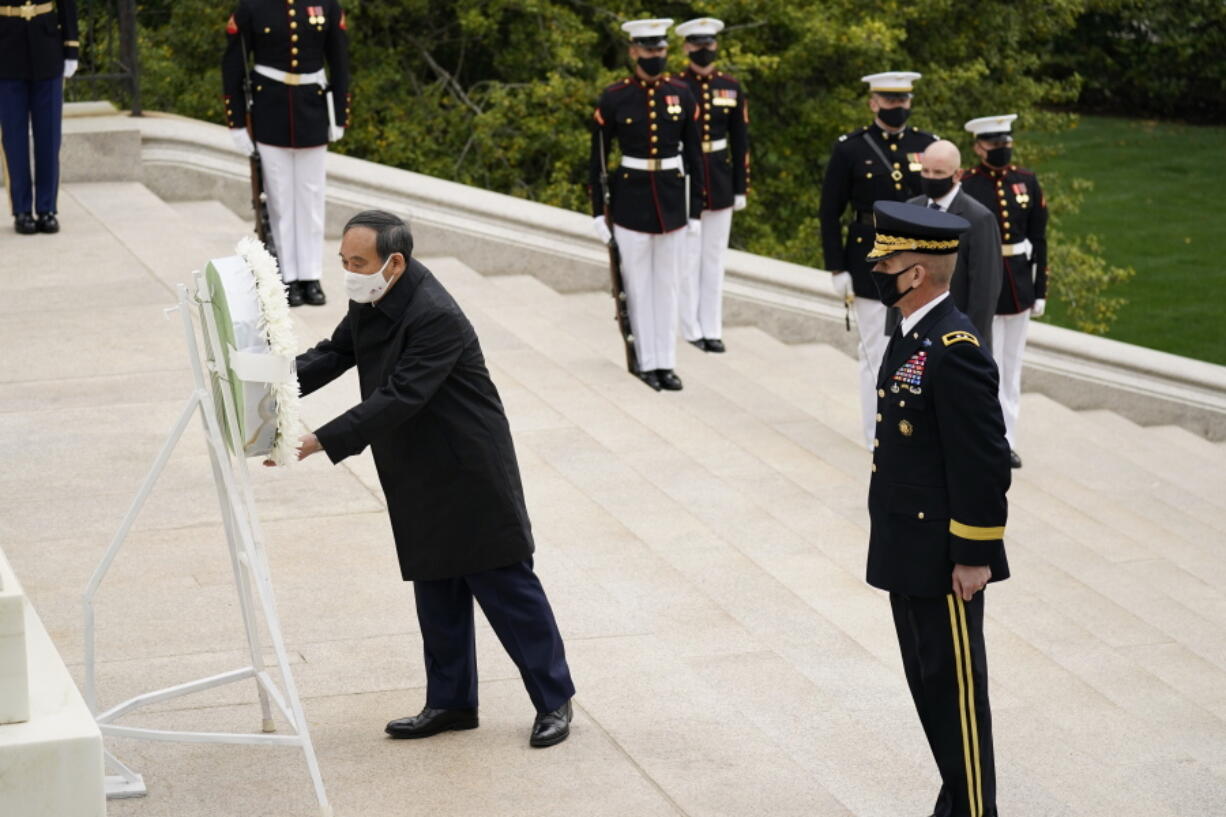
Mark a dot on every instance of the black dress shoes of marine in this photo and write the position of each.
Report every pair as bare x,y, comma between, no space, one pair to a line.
701,343
668,380
25,224
551,728
1014,460
47,223
714,345
293,292
313,293
432,721
651,379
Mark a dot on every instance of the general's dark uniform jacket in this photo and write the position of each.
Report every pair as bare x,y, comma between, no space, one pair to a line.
1014,196
35,48
940,459
856,176
650,120
724,111
298,37
435,426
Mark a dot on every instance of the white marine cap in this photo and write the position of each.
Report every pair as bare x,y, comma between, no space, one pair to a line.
891,82
651,33
700,29
991,125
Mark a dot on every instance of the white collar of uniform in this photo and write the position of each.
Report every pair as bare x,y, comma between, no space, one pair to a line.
948,198
909,322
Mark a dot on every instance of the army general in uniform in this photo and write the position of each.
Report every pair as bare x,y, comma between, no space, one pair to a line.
936,497
880,162
297,108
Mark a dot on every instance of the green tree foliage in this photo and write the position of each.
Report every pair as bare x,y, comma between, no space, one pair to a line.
499,93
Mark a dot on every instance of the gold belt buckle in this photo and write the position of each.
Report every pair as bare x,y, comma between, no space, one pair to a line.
293,79
27,11
654,164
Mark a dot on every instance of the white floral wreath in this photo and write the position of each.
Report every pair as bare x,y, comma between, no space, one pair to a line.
278,330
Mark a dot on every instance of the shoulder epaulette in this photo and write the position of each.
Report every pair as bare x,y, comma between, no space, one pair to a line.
1017,169
621,83
960,336
727,76
676,81
855,132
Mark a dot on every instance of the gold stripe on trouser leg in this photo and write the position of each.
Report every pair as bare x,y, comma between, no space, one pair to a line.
966,743
970,685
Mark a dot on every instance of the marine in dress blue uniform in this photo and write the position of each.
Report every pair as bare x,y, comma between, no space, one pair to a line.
291,42
1013,194
876,163
39,47
724,110
657,192
936,498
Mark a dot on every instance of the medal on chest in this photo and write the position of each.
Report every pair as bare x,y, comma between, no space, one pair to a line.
673,104
915,165
1021,194
315,16
910,375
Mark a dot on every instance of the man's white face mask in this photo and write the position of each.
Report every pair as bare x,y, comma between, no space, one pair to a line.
366,289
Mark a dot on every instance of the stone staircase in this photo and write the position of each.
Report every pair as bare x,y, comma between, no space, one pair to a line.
704,552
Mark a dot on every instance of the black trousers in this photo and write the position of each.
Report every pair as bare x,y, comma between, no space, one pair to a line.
515,605
947,669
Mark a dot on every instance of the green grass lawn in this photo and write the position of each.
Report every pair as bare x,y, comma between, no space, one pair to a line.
1159,206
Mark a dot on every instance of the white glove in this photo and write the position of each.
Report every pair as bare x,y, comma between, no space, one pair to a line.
70,68
695,226
840,282
739,202
336,134
602,230
242,141
1040,306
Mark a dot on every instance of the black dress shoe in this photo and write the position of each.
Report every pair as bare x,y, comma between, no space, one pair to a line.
25,224
431,722
1014,460
313,293
650,379
700,343
293,291
47,223
715,345
669,380
551,728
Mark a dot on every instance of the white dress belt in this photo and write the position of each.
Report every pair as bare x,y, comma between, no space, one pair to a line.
1020,248
319,77
667,163
715,147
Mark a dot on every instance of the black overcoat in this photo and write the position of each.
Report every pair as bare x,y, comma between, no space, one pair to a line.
435,426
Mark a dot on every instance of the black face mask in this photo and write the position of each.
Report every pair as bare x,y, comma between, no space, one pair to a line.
894,117
704,57
936,188
887,288
999,157
652,66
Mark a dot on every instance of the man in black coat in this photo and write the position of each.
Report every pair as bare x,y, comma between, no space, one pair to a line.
976,282
38,51
936,497
442,448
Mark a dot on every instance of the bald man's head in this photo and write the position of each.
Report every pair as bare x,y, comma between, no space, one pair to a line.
941,160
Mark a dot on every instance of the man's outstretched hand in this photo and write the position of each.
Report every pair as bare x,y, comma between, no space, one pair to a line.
308,444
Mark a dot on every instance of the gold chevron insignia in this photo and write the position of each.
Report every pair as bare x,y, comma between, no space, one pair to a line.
951,338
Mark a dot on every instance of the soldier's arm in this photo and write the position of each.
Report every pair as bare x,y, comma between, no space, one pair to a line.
234,66
836,192
984,267
602,144
336,52
976,454
1036,231
69,28
738,131
691,145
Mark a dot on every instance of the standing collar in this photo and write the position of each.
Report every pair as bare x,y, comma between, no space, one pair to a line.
397,298
912,320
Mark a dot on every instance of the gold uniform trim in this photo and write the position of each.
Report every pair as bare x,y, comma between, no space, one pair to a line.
974,532
27,12
966,704
72,43
885,244
950,338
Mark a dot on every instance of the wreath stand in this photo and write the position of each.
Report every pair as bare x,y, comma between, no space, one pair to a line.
248,561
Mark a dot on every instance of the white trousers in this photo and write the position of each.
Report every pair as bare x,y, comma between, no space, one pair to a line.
1008,343
702,277
650,269
294,181
870,322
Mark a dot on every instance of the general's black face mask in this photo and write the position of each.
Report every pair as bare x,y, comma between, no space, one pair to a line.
652,66
887,287
894,117
704,57
999,157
